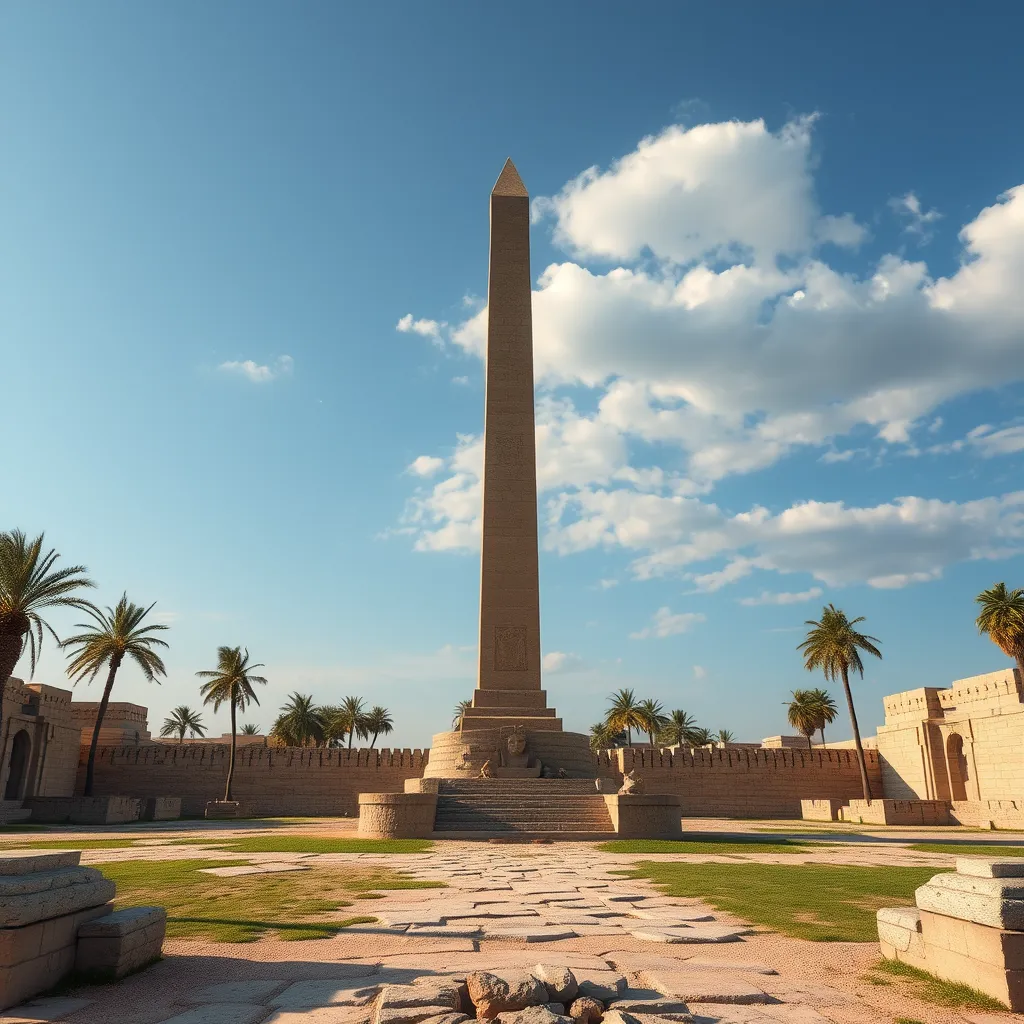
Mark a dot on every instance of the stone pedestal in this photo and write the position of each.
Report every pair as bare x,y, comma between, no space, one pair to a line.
645,815
161,808
967,927
44,899
821,810
85,810
119,943
222,809
397,815
896,812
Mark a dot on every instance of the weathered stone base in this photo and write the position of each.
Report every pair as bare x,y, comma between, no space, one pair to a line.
567,750
85,810
1007,814
223,809
122,942
968,927
821,810
645,816
161,808
397,815
896,812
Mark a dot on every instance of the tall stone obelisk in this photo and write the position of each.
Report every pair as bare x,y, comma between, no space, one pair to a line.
508,683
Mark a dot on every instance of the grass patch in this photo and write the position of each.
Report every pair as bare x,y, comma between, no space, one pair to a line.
969,849
820,902
731,845
308,844
245,908
930,989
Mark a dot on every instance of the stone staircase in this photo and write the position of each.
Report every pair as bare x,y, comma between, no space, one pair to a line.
11,812
521,807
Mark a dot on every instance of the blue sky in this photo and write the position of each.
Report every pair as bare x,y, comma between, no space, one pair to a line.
769,363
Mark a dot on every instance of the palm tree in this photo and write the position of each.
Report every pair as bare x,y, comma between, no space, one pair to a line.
1002,618
299,722
702,737
604,737
250,729
335,725
725,737
28,584
678,729
803,714
110,638
827,709
624,713
460,713
834,646
378,720
231,682
354,718
655,718
183,720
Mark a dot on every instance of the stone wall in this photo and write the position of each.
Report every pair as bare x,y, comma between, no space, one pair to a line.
747,783
268,781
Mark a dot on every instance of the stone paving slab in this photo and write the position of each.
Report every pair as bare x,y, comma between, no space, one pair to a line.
325,993
48,1009
221,1013
235,992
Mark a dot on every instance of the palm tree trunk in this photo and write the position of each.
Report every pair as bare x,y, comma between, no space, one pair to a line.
115,662
351,733
856,737
809,747
11,646
231,756
823,735
374,740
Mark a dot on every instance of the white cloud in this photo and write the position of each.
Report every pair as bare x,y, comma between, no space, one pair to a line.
699,672
917,220
561,662
257,373
425,328
608,584
461,381
426,465
728,358
784,597
666,623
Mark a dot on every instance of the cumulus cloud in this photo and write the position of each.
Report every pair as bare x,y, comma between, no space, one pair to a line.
722,335
425,328
561,661
667,623
766,597
426,465
699,672
257,373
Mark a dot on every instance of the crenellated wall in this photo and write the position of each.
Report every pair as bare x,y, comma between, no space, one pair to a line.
745,783
269,781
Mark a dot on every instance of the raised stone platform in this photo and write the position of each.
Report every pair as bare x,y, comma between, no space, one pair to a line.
463,754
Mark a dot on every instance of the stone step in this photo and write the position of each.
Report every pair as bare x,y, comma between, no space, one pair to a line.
534,789
518,711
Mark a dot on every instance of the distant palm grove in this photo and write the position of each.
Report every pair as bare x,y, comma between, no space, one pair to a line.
32,583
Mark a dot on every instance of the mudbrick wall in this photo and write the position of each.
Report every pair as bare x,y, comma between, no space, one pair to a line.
269,781
300,781
744,783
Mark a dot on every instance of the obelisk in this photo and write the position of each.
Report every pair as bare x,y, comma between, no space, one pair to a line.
508,681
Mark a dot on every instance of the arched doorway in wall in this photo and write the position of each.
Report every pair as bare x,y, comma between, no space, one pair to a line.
20,750
956,763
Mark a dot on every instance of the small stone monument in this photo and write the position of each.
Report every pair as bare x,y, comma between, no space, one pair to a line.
632,784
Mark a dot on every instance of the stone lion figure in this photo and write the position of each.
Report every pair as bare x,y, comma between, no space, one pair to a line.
631,784
487,772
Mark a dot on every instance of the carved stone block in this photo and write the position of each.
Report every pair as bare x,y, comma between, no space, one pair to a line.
510,649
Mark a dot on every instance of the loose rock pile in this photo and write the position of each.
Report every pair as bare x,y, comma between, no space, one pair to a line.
549,993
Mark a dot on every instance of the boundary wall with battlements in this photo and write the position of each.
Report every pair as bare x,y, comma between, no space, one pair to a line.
745,783
268,782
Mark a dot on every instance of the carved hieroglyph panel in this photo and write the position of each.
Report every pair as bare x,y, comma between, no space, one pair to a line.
510,648
508,448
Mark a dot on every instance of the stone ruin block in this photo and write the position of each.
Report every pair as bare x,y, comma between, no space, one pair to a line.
223,809
821,810
967,927
119,943
161,808
85,810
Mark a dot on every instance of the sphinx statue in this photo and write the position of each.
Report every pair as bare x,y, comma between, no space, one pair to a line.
632,784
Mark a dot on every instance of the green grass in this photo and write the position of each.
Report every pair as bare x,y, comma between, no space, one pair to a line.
248,907
820,902
930,989
969,849
308,844
731,845
907,1020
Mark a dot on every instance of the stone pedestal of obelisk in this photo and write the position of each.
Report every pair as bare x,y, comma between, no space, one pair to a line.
508,693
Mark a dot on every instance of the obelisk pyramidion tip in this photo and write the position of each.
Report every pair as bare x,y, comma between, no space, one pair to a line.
509,183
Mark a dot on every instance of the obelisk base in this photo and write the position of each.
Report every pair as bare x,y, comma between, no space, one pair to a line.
461,755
